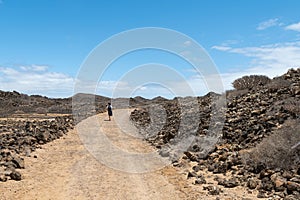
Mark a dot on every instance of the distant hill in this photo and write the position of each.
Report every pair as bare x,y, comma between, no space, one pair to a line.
15,102
159,99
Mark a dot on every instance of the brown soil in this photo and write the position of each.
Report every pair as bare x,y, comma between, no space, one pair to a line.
64,169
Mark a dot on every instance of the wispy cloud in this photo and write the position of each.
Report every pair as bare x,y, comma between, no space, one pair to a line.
36,79
270,60
60,85
293,27
269,23
221,48
35,68
225,46
273,56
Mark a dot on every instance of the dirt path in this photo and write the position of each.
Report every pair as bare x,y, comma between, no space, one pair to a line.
107,160
64,169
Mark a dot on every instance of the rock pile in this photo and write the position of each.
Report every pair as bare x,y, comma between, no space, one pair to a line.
19,138
251,117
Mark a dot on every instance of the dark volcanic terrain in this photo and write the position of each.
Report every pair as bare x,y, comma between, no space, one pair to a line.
258,146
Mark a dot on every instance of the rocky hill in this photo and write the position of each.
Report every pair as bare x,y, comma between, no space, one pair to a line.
258,145
14,102
17,103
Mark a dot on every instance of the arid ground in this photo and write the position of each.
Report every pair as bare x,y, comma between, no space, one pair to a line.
64,169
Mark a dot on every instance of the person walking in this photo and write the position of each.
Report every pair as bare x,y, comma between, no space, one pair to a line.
109,111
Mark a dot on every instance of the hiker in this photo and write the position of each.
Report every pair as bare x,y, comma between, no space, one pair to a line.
109,111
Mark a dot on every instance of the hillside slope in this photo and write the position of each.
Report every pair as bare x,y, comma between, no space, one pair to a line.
257,146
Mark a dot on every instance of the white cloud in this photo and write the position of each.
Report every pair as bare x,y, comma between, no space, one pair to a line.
275,56
293,27
221,48
36,80
35,68
269,23
143,88
270,60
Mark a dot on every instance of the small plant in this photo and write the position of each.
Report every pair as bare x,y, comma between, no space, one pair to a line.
292,107
279,150
250,82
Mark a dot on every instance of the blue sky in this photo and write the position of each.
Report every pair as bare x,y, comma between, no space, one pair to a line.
43,43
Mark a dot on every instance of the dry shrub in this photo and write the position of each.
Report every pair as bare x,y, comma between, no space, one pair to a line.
279,150
292,106
41,110
250,82
278,83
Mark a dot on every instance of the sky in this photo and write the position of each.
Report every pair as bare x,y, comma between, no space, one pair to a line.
44,44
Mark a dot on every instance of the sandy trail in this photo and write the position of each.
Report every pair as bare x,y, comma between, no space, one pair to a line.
107,160
65,169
